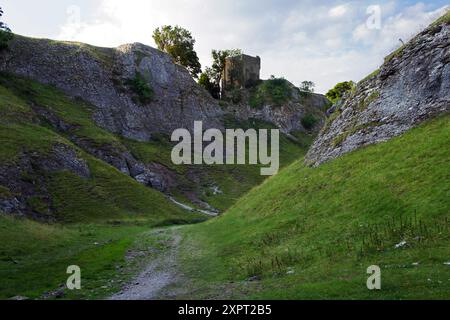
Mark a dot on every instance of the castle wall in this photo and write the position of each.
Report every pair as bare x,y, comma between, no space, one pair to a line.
241,71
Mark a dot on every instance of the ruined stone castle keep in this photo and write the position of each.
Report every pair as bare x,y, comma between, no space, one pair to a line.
241,71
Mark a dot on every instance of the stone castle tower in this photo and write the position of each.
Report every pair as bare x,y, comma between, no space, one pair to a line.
240,71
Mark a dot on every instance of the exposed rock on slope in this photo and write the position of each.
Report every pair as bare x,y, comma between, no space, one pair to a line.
412,86
98,110
21,178
288,116
100,76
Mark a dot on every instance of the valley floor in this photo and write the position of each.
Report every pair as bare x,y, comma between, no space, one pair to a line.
307,233
161,272
312,233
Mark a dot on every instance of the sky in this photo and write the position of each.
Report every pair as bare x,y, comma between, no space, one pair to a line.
321,41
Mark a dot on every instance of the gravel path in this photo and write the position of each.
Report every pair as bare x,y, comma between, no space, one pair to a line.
160,273
213,212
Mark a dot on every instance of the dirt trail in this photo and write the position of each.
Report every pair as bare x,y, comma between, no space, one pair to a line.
159,274
213,212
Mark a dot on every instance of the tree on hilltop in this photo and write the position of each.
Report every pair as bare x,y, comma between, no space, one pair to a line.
307,86
179,44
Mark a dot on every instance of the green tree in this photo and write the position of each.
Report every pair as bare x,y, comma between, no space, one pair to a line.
336,94
309,121
5,33
179,44
207,81
307,86
218,66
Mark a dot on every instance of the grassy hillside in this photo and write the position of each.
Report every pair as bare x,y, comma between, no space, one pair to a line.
100,218
22,128
313,232
232,181
103,214
106,194
34,256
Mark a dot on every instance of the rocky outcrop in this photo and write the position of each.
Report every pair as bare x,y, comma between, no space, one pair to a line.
25,183
101,80
288,116
413,85
101,77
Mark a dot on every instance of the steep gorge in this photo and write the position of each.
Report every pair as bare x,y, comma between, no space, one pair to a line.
99,170
372,191
88,95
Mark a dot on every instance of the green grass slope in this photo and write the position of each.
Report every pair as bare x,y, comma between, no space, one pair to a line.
311,233
100,218
34,257
21,128
103,215
107,194
232,181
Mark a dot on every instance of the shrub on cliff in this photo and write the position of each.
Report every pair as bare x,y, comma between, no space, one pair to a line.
309,121
141,88
275,91
207,81
219,60
336,94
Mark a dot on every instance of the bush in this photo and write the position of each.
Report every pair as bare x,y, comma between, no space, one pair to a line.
309,121
275,91
179,44
141,88
336,94
207,82
5,37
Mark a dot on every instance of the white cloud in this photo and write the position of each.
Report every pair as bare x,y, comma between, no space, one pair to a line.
403,26
338,11
300,40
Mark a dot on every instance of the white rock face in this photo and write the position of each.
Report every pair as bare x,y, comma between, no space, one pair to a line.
101,77
411,87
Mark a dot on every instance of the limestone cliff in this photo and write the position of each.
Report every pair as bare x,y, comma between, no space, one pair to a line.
412,85
91,99
100,76
288,115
